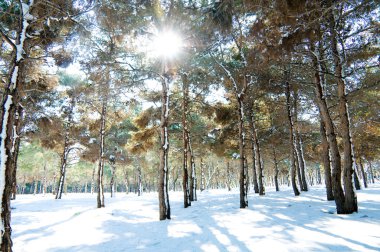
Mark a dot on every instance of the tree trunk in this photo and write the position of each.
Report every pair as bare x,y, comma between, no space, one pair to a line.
228,176
16,138
140,184
298,145
9,122
257,157
371,172
185,178
326,162
275,169
126,183
112,182
356,180
339,196
100,196
44,181
301,160
35,187
93,179
362,172
163,194
66,150
243,169
350,200
292,141
202,176
193,175
254,172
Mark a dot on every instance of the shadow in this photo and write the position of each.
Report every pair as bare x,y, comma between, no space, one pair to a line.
277,221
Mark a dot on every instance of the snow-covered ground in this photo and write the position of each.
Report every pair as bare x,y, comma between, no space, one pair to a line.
277,222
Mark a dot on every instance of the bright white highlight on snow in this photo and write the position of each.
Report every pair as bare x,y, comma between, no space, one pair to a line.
167,44
276,222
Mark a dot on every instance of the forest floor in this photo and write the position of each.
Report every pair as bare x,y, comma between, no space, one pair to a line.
277,222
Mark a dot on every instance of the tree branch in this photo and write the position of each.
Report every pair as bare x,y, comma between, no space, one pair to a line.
7,39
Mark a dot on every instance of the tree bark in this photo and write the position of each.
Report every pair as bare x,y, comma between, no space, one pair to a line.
126,183
202,186
100,196
8,139
254,172
292,141
16,138
275,169
301,160
193,175
371,172
363,172
298,145
356,180
140,183
112,182
185,135
243,169
163,195
326,162
257,157
239,94
44,186
66,150
350,200
339,196
93,179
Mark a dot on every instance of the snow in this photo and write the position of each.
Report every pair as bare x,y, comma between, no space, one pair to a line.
3,154
166,142
277,221
14,78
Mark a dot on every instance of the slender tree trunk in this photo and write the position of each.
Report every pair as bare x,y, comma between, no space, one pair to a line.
112,182
140,184
66,150
126,183
35,185
228,176
298,145
301,160
275,169
44,180
362,172
292,142
326,162
350,200
331,136
202,176
243,169
163,194
193,175
185,181
254,157
257,158
356,173
16,138
371,172
100,196
356,180
93,179
239,94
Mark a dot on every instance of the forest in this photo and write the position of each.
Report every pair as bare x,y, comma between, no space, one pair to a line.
110,96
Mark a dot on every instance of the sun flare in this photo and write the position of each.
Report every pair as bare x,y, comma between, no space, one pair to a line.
167,44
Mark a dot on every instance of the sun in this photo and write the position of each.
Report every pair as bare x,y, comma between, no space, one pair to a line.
167,44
